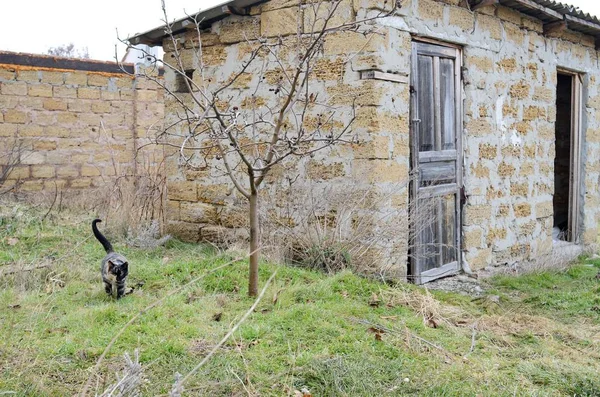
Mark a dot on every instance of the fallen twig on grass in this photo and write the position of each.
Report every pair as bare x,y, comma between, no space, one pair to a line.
141,312
13,270
399,332
472,340
177,389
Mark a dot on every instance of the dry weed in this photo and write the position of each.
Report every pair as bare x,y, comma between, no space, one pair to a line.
332,229
129,380
432,311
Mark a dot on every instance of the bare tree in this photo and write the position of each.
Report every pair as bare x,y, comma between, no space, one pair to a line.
246,143
69,51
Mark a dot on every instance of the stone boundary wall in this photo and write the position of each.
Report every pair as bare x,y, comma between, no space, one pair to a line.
79,122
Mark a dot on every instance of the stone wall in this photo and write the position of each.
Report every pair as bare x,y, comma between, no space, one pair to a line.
509,95
79,121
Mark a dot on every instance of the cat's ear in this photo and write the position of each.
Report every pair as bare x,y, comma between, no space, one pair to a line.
125,266
109,266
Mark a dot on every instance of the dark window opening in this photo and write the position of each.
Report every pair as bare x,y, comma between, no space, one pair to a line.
180,80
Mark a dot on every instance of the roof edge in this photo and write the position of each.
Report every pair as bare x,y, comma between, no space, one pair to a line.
154,37
63,63
574,18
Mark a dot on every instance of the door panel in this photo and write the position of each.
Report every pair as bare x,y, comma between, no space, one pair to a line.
436,162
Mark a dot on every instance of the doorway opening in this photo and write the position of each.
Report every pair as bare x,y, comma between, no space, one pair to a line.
566,160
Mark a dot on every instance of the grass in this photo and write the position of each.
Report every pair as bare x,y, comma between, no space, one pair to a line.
335,336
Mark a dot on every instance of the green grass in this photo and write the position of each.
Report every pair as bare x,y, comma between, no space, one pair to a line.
541,340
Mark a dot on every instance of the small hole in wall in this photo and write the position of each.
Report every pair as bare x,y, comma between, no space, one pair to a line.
180,80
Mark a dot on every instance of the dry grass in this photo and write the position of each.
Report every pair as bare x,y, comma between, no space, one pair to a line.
331,229
431,310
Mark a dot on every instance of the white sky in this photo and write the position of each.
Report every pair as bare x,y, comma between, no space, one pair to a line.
36,25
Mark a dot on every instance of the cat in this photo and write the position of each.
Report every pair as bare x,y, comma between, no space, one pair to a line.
114,267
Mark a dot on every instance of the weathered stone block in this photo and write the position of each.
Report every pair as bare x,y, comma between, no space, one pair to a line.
55,104
473,238
379,171
196,212
19,172
479,258
15,116
42,171
67,171
32,158
14,88
51,77
489,25
280,22
146,95
88,93
520,90
519,189
214,194
31,130
477,214
97,80
87,170
76,78
182,190
100,107
505,170
79,183
236,29
7,73
479,127
480,170
316,170
315,15
488,151
41,90
8,130
66,117
484,64
429,9
64,92
544,209
341,43
32,186
29,75
522,210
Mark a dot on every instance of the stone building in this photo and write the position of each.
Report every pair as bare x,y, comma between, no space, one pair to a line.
491,103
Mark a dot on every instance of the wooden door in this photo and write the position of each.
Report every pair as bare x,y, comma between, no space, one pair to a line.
436,161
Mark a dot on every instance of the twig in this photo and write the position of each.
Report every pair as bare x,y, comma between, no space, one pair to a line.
26,269
53,201
141,312
177,387
472,340
412,334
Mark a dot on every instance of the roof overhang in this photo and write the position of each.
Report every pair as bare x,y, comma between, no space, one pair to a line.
554,15
206,17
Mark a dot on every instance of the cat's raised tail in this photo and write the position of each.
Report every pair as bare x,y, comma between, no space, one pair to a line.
105,243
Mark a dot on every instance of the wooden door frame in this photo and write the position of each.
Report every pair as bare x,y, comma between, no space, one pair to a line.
576,137
452,268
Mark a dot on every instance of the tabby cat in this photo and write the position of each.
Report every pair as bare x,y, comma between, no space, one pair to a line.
114,267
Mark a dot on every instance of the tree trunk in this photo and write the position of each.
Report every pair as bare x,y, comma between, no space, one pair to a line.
254,244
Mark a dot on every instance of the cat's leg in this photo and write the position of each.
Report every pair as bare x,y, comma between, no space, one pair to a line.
108,287
120,289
